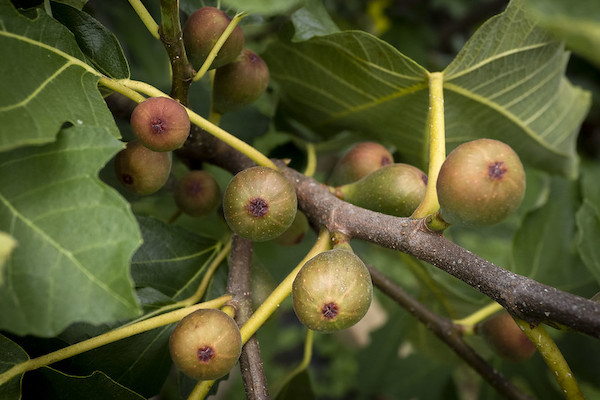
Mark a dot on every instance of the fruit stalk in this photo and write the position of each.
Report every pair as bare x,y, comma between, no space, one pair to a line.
468,323
145,17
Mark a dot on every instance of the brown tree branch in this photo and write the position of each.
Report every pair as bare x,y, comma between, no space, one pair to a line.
449,333
238,284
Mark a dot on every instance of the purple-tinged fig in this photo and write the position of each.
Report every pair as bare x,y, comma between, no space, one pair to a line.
506,338
362,159
197,193
160,123
141,170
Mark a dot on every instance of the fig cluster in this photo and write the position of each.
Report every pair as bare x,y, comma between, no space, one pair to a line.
197,193
505,337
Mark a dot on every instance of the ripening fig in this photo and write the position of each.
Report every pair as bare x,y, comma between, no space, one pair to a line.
202,30
205,344
197,193
239,83
506,338
332,291
360,161
296,232
160,123
395,189
141,170
259,204
480,183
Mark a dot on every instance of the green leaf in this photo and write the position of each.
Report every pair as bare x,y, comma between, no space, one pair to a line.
76,236
11,354
98,43
171,260
588,219
515,90
7,245
264,7
312,20
577,22
298,388
44,81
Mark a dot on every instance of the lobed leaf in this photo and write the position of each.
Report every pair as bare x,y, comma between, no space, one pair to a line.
76,236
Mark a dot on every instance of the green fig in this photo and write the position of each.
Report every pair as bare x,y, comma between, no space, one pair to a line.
506,338
239,83
332,291
160,123
259,204
197,193
141,170
395,189
205,344
480,183
201,31
362,159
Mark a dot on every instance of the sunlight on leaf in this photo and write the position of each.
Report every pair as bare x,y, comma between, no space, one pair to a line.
76,236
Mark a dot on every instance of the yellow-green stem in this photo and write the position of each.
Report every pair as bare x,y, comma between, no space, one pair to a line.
219,43
437,144
120,88
106,338
469,322
201,390
146,18
553,358
308,345
311,160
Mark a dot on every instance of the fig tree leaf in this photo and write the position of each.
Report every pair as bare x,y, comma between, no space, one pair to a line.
512,89
577,22
588,219
171,259
299,387
98,43
264,7
7,245
312,20
44,81
76,236
11,354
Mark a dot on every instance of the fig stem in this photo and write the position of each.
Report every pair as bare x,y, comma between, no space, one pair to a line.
308,346
437,144
311,159
108,337
145,17
553,358
469,322
218,44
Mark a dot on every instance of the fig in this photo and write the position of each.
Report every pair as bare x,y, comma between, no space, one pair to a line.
160,123
197,193
141,170
259,204
332,291
239,83
205,344
480,183
395,189
506,338
202,30
362,159
296,232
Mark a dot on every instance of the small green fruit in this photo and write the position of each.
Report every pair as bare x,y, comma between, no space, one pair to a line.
506,338
395,189
332,291
197,193
206,344
202,30
480,183
259,204
160,123
240,83
141,170
296,232
360,161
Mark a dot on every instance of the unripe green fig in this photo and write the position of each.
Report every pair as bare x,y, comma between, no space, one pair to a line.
160,123
141,170
362,159
205,344
202,30
197,193
332,291
296,232
480,183
506,338
239,83
259,204
395,189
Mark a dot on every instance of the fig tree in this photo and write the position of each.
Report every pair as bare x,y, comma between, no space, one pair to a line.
205,344
362,159
259,204
160,123
395,189
197,193
332,291
141,170
506,338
